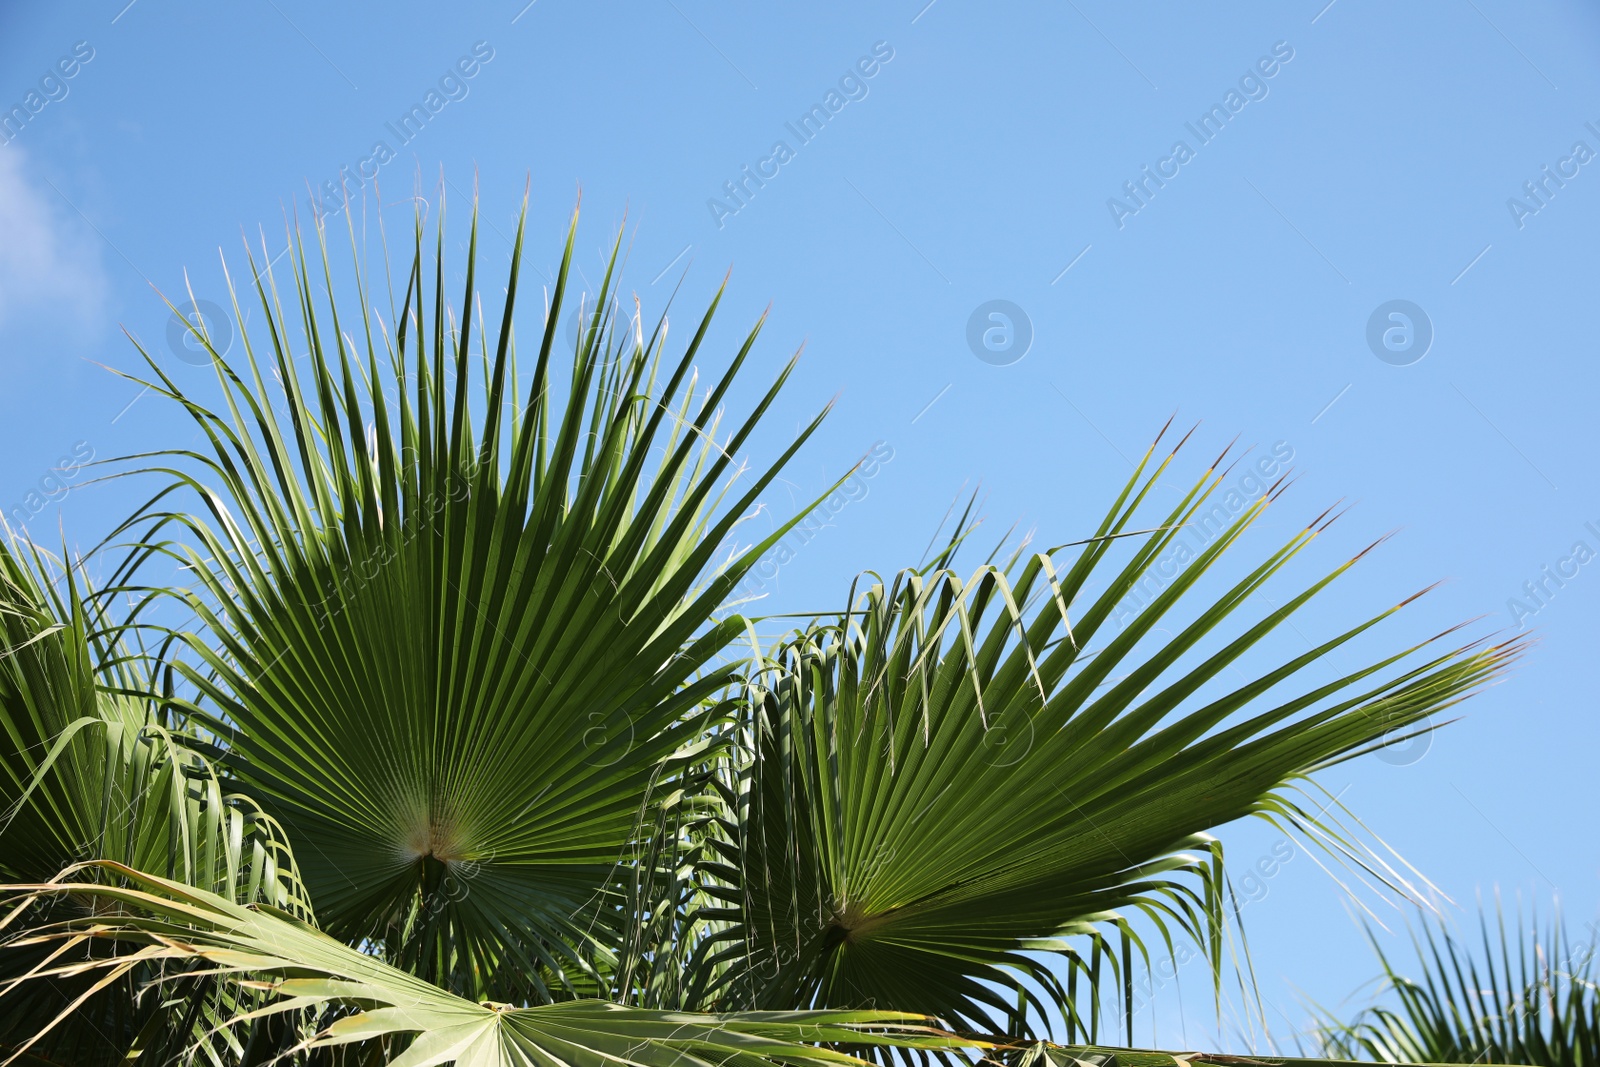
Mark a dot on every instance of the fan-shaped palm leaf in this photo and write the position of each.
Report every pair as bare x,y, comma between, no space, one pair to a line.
954,781
1531,998
454,630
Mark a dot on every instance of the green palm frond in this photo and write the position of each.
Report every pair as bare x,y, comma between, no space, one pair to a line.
462,630
456,627
959,792
88,769
333,997
1531,998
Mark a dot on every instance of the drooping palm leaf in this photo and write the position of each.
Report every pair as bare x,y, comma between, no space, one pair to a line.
88,769
1530,998
396,1017
957,781
456,632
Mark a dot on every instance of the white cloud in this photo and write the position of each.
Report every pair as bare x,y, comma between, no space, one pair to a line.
49,257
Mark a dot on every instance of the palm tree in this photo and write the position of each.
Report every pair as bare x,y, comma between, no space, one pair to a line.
1531,998
434,668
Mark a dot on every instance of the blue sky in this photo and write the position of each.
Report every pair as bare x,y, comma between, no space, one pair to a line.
1369,154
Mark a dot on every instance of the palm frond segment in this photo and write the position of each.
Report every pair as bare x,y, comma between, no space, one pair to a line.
335,995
